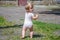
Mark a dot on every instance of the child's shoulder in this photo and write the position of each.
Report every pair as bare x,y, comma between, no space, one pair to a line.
28,13
31,13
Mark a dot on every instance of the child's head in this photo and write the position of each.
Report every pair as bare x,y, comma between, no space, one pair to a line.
29,7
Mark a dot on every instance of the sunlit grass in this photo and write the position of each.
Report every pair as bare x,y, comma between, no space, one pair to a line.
4,22
47,29
7,5
41,28
53,7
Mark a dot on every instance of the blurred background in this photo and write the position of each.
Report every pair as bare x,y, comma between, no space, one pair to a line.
38,2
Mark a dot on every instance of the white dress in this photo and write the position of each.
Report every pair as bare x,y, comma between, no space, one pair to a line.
28,20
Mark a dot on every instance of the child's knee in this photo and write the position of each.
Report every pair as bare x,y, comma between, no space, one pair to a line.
31,29
24,29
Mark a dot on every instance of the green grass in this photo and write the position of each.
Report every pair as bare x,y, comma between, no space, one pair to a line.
41,28
4,22
53,7
7,5
47,29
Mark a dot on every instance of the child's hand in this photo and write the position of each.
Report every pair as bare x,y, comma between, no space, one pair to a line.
36,15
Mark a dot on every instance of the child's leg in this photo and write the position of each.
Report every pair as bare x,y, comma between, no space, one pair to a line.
23,31
31,32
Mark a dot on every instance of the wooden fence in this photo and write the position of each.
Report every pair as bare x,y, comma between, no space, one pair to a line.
15,2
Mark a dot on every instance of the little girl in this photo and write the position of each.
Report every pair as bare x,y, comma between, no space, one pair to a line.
28,20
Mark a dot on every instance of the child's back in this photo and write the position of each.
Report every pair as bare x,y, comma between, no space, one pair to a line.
28,19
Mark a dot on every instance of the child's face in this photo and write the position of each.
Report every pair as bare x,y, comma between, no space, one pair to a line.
31,9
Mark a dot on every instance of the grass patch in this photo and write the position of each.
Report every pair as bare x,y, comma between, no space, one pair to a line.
4,22
45,29
7,5
53,7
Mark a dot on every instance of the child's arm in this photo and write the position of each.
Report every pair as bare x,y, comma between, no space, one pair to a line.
35,17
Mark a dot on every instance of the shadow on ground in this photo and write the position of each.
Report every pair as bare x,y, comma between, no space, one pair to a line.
36,36
53,11
11,26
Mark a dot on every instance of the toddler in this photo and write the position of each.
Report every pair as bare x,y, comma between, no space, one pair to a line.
29,16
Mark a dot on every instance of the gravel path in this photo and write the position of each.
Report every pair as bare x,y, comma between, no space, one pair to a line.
17,13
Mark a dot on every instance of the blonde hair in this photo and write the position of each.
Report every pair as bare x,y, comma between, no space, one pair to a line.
28,6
